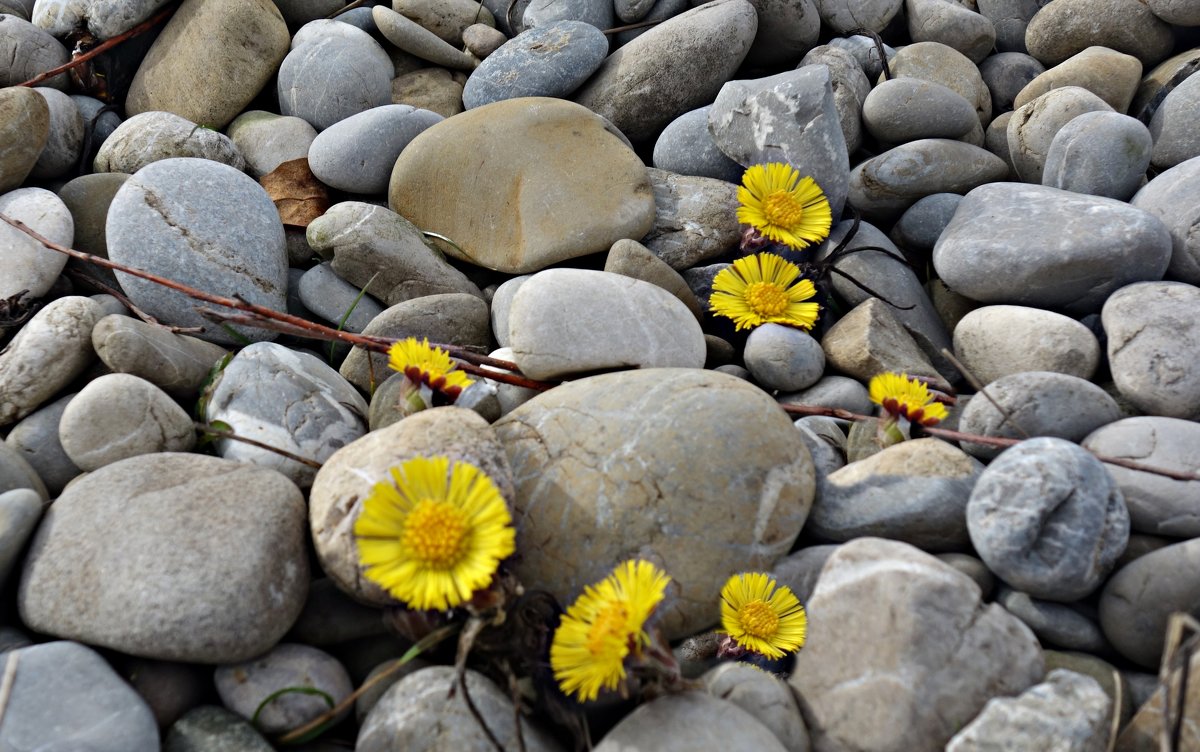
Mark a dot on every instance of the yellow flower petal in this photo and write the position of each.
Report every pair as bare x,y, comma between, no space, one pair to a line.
762,616
603,627
901,396
762,289
428,365
435,533
782,206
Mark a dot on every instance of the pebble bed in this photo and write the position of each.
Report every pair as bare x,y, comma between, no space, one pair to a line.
554,183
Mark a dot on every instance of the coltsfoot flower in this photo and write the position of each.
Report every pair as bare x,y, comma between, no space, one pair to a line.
761,289
424,364
762,616
902,397
782,206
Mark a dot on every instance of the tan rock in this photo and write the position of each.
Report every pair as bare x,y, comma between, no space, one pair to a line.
523,183
433,89
870,340
1110,75
446,18
211,60
348,476
24,129
632,259
696,470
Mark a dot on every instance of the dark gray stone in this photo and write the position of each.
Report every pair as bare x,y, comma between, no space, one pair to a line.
1174,197
865,52
800,570
789,117
551,60
921,224
20,510
1006,73
212,729
357,154
872,15
915,491
244,686
1048,519
786,30
1138,600
36,439
685,147
1010,18
1040,403
1099,153
1087,247
1153,346
334,77
884,186
1055,624
326,294
832,391
66,697
204,224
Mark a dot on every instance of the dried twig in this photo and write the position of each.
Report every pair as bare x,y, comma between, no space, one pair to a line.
466,639
630,27
124,300
103,47
351,6
978,386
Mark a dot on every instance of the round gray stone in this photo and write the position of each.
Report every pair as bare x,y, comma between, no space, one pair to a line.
996,341
160,541
153,136
244,686
1006,74
1048,519
65,696
1138,600
1057,624
329,296
357,154
552,60
29,50
1099,153
615,322
921,224
872,15
784,358
333,77
763,696
1040,403
103,18
941,64
1034,125
36,439
118,416
204,224
832,391
267,140
598,14
29,265
1088,246
1174,197
915,491
907,109
690,722
211,728
1153,346
285,399
884,186
416,715
786,30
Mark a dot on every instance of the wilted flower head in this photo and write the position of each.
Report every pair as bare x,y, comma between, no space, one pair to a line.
605,626
423,364
782,206
761,289
435,533
902,397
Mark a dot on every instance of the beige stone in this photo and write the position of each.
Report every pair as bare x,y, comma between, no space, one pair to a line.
870,340
24,129
433,89
632,259
211,60
347,478
697,471
523,183
446,18
1113,76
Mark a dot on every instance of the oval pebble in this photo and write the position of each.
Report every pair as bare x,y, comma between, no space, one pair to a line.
357,154
548,61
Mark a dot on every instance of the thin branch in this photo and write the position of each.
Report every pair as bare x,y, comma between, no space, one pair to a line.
630,27
108,289
351,6
103,47
221,433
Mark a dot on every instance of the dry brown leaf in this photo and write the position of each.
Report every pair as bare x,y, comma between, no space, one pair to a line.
298,195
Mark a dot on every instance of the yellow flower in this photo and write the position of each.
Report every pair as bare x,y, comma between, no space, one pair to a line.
423,364
762,616
901,396
603,627
783,206
435,533
758,289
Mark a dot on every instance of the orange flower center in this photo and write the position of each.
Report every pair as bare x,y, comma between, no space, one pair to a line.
609,625
758,619
767,298
782,209
436,533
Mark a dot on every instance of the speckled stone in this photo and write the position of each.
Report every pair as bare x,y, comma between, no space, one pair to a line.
547,61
